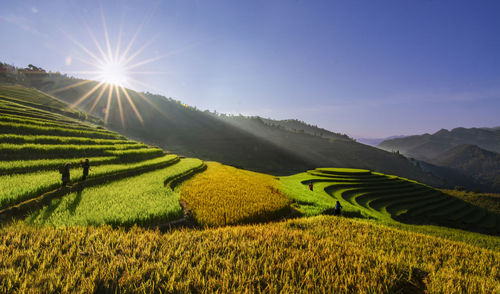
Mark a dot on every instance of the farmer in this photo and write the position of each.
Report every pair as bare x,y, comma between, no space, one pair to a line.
64,171
86,167
311,185
338,207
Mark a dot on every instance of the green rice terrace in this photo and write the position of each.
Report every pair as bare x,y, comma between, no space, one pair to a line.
367,194
36,139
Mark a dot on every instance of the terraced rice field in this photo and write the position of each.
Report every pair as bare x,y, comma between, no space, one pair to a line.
126,183
15,190
142,199
369,194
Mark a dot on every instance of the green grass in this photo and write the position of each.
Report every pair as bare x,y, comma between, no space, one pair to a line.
137,200
17,188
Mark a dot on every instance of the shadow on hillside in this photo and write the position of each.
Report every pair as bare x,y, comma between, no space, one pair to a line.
467,217
74,204
345,213
43,215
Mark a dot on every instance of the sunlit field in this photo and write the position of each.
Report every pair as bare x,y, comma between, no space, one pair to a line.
331,254
142,199
225,195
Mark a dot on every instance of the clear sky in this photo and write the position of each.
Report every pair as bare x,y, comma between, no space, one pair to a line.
370,68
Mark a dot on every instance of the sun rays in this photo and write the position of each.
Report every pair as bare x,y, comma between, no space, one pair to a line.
112,70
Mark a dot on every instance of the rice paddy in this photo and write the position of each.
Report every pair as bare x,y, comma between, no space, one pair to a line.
368,194
318,254
142,199
35,142
95,235
225,195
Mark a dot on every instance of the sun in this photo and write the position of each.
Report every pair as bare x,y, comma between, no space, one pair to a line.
114,69
114,73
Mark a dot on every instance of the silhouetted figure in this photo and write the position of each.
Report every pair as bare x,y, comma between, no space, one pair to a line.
311,185
86,167
338,209
64,171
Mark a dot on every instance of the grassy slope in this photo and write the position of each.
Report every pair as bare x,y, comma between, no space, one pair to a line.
325,253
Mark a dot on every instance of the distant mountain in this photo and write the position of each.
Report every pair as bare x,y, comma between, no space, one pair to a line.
470,160
426,147
377,141
492,129
468,156
254,143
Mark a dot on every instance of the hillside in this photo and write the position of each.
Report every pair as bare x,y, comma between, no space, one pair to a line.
297,126
276,147
125,184
376,141
427,146
475,162
462,157
363,193
339,151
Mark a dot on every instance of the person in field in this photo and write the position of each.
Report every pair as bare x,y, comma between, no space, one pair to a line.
64,171
86,167
311,185
338,208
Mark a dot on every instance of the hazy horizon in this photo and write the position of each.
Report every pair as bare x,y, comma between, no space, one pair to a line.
370,70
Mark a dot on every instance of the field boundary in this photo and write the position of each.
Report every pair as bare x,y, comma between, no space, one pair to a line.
22,209
186,221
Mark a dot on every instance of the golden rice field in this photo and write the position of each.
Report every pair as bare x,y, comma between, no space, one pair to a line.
318,254
227,195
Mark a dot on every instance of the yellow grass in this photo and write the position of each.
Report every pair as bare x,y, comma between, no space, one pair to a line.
319,254
227,195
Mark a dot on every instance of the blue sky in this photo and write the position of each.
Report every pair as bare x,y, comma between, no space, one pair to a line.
365,68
